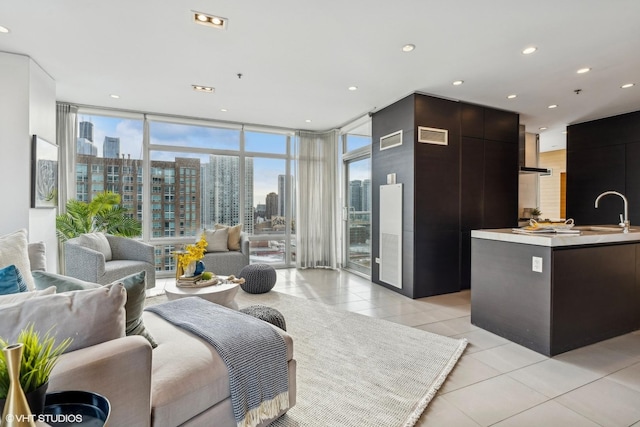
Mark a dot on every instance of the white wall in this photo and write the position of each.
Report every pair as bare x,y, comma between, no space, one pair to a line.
27,107
15,141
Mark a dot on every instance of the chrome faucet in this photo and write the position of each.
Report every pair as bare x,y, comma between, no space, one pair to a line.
625,221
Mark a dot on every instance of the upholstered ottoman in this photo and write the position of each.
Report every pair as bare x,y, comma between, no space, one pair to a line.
268,314
258,278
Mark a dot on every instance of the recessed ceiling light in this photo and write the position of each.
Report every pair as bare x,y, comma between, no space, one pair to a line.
224,110
3,29
352,88
308,120
209,20
627,85
512,96
543,128
552,106
408,47
529,50
458,82
114,96
564,132
583,70
206,89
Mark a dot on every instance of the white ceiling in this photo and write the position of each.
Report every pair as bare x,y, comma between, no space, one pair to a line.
298,57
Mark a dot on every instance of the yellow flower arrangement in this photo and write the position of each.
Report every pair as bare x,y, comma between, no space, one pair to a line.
193,252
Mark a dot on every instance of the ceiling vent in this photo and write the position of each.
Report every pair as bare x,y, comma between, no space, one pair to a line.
433,136
392,140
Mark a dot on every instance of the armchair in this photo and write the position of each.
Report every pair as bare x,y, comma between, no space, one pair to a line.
103,258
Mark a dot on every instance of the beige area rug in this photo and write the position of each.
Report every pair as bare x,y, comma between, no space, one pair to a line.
355,370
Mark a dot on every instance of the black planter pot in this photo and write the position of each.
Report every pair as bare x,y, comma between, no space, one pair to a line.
35,399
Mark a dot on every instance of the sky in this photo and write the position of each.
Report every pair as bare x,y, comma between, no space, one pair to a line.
130,132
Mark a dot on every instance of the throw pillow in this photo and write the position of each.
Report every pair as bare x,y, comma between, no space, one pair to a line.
233,243
13,250
89,317
21,296
96,241
9,280
134,284
44,280
37,256
217,240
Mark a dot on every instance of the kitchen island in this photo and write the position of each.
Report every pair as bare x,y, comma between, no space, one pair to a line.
556,292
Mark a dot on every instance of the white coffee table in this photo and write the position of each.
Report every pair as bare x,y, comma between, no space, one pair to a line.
222,294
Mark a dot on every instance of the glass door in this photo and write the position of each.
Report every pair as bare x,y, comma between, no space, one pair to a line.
357,214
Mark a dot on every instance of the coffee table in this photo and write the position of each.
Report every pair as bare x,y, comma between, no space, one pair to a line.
222,294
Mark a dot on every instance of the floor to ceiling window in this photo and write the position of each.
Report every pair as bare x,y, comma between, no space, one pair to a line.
199,174
357,199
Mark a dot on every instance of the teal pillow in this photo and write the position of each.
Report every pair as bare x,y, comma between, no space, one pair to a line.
136,287
43,280
134,284
11,281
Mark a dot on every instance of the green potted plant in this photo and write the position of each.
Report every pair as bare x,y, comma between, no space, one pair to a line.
40,354
102,214
535,213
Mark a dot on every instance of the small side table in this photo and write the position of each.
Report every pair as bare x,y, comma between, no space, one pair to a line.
222,294
72,407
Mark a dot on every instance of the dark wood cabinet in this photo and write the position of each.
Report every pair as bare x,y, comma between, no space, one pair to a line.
591,172
448,189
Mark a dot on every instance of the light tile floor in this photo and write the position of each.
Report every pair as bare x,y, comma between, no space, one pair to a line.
496,382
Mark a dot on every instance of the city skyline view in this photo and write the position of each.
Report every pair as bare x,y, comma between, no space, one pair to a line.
130,132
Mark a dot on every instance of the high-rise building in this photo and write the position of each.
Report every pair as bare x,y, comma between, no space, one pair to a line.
85,147
111,147
221,192
282,194
271,209
174,189
366,195
355,195
86,131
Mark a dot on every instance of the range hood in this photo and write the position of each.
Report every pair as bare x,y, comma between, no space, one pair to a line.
529,150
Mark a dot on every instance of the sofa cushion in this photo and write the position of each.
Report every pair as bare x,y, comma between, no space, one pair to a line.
89,317
217,240
37,257
96,241
134,285
233,242
21,296
13,250
11,281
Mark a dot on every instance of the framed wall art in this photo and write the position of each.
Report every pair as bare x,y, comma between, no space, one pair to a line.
44,173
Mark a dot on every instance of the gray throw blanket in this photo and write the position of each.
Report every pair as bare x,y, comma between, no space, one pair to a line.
255,355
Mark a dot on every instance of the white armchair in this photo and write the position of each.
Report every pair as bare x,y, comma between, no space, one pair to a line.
103,258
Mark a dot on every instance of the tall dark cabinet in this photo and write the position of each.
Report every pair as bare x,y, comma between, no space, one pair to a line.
603,155
449,190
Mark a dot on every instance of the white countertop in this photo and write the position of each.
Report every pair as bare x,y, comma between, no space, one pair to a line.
585,237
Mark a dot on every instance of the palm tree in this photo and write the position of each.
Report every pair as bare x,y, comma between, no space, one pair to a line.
103,213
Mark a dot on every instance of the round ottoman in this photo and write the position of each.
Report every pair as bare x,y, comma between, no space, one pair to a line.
267,314
258,278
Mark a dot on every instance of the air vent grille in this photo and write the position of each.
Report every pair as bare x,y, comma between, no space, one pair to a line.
433,136
392,140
